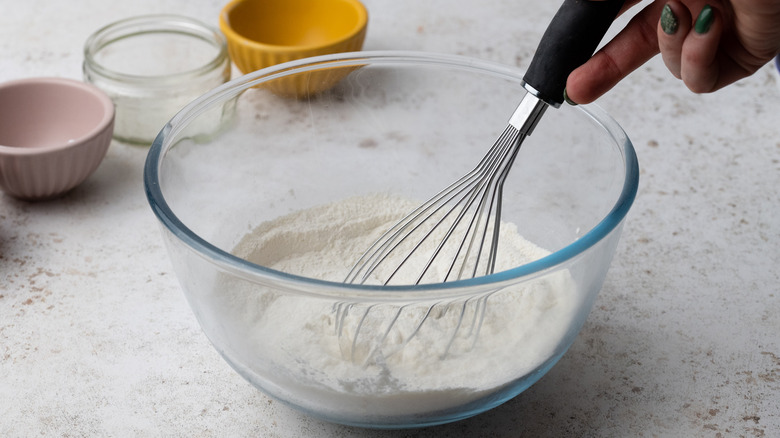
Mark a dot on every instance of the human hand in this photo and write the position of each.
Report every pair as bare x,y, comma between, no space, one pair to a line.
706,45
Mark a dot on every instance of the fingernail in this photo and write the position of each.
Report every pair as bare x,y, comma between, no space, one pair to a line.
669,22
704,20
566,98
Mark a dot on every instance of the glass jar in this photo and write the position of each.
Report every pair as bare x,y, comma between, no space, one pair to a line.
152,66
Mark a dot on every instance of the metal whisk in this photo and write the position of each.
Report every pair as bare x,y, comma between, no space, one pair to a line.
455,234
457,230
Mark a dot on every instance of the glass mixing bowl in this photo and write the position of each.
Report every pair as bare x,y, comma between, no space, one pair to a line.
404,124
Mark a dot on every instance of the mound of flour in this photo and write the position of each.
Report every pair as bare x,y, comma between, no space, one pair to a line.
381,359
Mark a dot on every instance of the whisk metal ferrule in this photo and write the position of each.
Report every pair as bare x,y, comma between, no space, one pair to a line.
528,114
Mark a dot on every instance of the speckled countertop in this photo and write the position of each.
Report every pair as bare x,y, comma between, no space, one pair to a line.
96,338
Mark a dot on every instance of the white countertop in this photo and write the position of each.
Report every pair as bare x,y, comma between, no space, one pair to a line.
96,338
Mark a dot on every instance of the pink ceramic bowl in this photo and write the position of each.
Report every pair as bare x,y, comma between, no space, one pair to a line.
54,133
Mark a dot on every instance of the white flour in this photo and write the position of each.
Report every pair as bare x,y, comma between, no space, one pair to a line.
463,350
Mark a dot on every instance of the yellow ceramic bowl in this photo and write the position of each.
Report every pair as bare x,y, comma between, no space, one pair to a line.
261,33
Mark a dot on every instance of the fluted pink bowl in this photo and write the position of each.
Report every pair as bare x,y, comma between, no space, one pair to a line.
54,132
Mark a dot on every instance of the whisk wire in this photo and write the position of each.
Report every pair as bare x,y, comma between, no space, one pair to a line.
390,240
466,218
506,141
498,196
393,238
500,159
423,222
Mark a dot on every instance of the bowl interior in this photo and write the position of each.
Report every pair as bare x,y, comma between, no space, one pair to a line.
304,23
407,128
45,113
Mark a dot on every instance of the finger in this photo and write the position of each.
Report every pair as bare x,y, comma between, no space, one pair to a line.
632,47
699,67
673,27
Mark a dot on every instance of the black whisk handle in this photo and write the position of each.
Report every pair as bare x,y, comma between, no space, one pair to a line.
571,38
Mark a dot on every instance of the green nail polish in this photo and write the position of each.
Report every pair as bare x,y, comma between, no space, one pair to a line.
567,100
669,23
704,20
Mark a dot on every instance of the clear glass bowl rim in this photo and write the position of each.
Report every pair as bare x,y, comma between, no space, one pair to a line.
304,285
154,23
